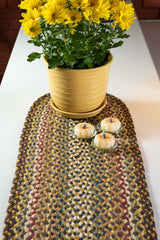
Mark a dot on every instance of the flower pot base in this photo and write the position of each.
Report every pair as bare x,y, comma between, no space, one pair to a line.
80,115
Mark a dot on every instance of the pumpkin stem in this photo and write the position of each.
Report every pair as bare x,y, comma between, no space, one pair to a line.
84,125
111,120
104,135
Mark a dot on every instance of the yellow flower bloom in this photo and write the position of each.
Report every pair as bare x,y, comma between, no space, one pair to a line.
93,3
124,15
79,4
92,16
73,16
30,4
72,31
32,28
31,14
104,9
113,3
53,13
94,10
62,3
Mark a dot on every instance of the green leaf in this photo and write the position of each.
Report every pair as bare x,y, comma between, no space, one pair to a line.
30,41
122,35
70,60
88,61
55,63
36,41
117,44
33,56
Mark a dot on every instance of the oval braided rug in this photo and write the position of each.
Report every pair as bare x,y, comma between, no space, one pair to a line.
66,189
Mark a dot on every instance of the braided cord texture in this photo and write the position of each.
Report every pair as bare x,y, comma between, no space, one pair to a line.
64,189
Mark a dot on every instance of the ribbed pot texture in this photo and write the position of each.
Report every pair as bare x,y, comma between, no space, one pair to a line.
78,90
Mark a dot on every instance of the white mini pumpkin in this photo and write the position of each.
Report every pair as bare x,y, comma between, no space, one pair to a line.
110,124
84,130
104,140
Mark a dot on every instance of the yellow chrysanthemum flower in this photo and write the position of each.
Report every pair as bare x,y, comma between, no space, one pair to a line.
113,3
104,9
91,11
53,13
30,4
73,16
72,31
93,3
31,14
124,15
79,4
32,28
92,15
62,3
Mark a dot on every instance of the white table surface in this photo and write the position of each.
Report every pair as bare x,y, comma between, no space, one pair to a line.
133,79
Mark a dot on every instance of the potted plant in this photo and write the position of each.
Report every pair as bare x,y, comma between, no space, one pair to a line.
75,37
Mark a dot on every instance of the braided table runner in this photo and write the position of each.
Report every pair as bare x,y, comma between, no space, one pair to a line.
66,189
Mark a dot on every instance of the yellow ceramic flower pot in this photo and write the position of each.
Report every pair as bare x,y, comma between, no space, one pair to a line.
78,90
